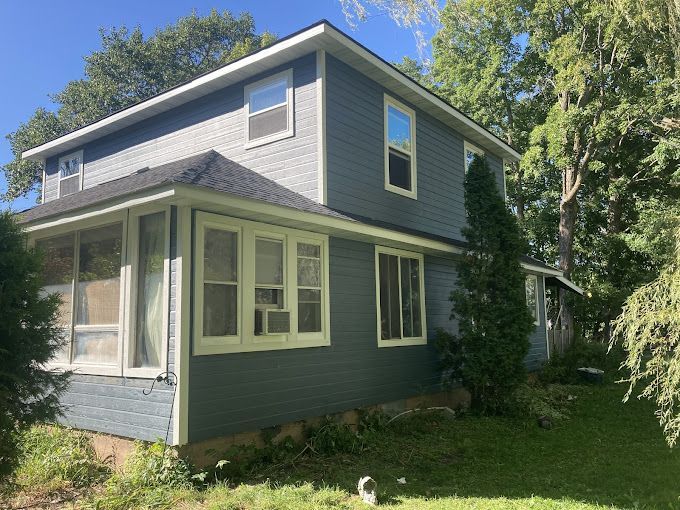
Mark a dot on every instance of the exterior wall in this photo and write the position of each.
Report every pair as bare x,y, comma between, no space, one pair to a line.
538,349
215,121
233,393
356,166
116,405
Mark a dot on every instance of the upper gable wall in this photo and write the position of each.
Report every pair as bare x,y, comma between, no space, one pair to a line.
215,121
356,164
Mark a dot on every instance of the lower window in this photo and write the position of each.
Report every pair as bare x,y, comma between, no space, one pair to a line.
531,288
401,297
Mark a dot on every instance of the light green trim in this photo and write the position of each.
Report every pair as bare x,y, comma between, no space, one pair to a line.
420,340
245,340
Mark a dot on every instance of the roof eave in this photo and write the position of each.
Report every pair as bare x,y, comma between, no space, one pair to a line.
319,36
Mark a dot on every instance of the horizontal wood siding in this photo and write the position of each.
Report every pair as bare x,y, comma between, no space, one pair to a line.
116,405
538,348
356,166
239,392
215,121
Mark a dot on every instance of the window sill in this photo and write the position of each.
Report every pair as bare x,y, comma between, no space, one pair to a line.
402,342
269,139
259,346
401,191
106,370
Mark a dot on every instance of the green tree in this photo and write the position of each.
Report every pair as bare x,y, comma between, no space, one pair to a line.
649,330
128,69
489,304
29,338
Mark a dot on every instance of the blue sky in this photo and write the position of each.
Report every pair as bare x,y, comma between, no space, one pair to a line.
43,43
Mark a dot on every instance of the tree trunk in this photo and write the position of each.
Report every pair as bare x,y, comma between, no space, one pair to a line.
568,215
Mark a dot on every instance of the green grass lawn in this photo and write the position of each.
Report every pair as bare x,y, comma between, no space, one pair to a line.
606,455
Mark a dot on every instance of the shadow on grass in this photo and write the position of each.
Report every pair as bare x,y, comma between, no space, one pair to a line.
607,453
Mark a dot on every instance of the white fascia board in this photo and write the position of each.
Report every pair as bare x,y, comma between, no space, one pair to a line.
310,40
541,270
175,96
571,285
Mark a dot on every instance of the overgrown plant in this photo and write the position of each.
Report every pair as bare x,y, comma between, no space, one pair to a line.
29,337
489,304
649,330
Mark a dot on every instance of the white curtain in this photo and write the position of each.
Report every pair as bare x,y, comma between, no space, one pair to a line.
150,291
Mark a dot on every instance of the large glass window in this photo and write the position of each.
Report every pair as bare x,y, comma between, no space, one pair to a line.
401,300
269,281
150,311
98,295
58,253
309,282
531,288
220,282
269,109
399,148
70,170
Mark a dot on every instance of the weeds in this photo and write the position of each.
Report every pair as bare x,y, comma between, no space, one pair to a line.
56,458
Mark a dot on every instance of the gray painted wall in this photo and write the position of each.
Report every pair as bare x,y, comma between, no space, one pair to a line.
238,392
355,154
116,405
215,121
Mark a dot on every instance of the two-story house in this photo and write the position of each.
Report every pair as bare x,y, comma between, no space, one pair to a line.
280,233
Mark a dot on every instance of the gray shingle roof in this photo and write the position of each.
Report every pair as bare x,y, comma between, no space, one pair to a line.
213,171
209,170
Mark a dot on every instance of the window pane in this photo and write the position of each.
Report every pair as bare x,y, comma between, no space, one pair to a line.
70,166
308,250
220,255
309,272
69,186
269,95
268,261
410,297
531,295
95,347
389,296
58,255
219,309
99,275
400,170
309,310
268,123
269,297
398,129
150,284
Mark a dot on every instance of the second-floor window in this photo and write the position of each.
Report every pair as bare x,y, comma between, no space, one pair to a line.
269,109
70,173
400,148
470,152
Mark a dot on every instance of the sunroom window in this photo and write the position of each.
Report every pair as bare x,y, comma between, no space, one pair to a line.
220,283
70,173
269,109
401,304
309,287
531,288
400,167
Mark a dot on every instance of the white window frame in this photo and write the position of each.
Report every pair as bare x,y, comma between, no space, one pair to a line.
245,340
101,221
399,342
413,192
469,147
534,277
506,163
131,266
287,75
80,174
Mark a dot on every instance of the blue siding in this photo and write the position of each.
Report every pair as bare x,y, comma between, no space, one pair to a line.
116,405
355,154
238,392
214,121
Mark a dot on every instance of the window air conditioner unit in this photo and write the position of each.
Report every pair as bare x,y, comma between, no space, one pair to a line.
272,322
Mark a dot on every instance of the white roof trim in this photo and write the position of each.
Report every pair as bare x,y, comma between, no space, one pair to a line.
570,285
319,36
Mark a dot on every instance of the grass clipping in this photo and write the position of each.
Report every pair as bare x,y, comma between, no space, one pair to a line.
649,330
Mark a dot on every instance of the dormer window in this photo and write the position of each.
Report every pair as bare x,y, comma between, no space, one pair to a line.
400,148
269,109
70,173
